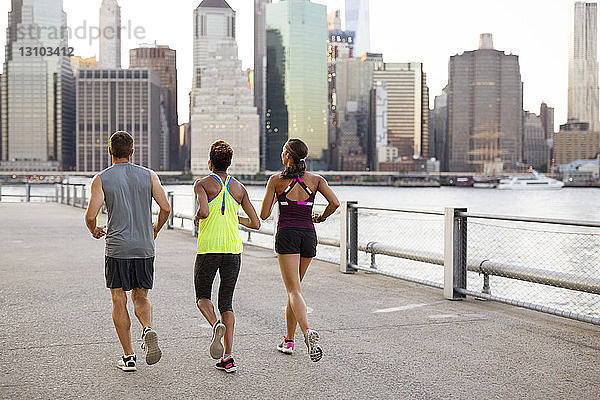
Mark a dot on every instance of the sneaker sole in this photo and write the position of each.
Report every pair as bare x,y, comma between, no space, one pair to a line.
314,350
229,371
285,351
127,369
153,353
216,347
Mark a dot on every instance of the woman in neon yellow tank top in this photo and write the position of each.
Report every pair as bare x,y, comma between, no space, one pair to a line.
219,247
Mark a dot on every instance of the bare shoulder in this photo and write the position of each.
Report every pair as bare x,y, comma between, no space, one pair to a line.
314,178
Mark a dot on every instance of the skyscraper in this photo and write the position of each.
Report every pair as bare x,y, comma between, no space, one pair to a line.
358,21
296,32
408,107
439,130
220,17
535,147
110,34
583,65
260,72
223,107
109,100
38,92
485,108
163,60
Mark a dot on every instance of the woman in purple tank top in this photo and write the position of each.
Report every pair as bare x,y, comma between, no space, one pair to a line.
296,241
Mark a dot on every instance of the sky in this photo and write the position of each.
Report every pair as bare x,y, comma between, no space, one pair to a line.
427,31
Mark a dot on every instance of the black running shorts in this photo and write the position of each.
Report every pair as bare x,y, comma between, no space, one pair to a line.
205,269
135,273
296,241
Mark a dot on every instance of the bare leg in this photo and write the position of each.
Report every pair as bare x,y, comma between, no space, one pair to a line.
121,319
289,264
229,321
142,307
289,314
207,309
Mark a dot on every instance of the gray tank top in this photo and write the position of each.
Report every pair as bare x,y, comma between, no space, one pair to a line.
128,198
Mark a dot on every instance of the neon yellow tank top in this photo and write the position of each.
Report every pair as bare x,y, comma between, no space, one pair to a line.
219,233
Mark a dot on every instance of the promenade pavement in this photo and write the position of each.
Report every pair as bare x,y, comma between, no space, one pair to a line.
382,338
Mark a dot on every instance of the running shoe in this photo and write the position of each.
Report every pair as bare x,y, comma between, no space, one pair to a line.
227,365
286,347
216,344
311,338
150,346
127,364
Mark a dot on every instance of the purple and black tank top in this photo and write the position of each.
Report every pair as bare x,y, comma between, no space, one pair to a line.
295,214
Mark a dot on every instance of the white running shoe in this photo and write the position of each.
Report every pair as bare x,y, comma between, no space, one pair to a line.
150,346
216,345
127,364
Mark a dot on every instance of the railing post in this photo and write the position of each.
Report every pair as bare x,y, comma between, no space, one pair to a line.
28,192
56,195
74,195
348,237
83,199
171,202
68,194
455,253
62,194
195,212
0,193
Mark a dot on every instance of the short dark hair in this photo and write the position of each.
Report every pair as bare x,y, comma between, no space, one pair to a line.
121,143
220,155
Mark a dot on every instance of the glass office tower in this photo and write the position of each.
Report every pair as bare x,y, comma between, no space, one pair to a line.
297,40
38,89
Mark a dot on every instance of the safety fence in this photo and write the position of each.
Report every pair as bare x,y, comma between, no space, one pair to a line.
548,265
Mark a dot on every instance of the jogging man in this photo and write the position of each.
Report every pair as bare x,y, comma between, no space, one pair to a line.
128,190
219,247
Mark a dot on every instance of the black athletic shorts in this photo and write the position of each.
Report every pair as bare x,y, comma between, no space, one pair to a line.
296,241
135,273
205,269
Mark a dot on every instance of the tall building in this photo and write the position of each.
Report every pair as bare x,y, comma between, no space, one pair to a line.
408,107
485,108
574,141
535,146
163,60
260,72
438,146
110,100
214,23
353,79
297,51
223,107
547,116
583,65
110,35
358,21
38,90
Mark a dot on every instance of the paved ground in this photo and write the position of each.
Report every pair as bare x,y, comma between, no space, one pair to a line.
57,338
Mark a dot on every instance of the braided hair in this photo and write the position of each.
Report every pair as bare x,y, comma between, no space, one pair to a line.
298,150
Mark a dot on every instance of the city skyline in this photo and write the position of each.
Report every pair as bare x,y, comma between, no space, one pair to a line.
537,33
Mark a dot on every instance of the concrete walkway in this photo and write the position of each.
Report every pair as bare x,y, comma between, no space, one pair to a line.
382,338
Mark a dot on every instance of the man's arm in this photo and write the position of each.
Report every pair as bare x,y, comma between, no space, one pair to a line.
202,199
159,195
91,214
267,204
252,221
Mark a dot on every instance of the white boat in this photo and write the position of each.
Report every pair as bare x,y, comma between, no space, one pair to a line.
534,181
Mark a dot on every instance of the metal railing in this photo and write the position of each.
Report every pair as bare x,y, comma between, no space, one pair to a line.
463,253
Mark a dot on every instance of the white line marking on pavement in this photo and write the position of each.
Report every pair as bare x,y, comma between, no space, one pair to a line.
402,308
442,316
